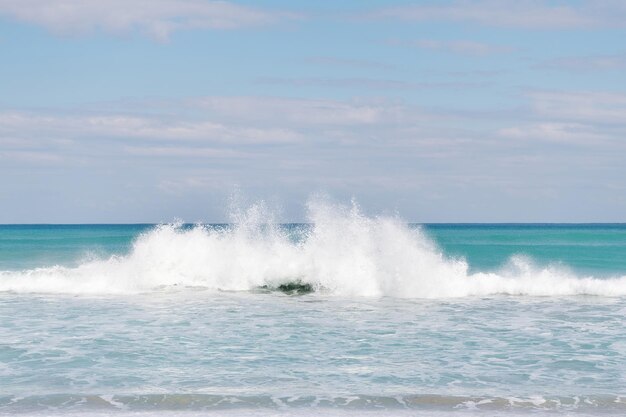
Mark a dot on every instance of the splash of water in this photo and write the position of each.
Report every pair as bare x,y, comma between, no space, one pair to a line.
343,252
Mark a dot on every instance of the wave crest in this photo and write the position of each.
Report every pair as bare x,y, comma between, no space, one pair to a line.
342,252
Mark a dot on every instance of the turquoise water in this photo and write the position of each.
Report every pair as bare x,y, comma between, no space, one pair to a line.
31,246
589,248
598,249
402,320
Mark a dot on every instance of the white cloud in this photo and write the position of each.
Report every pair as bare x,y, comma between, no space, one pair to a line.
155,18
587,64
223,129
574,117
571,133
464,47
209,180
592,107
527,14
35,157
305,112
187,152
384,151
348,62
125,127
367,83
234,127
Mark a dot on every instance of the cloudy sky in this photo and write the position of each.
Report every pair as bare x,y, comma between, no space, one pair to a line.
441,111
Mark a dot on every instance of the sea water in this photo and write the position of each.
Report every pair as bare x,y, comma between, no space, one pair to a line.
343,315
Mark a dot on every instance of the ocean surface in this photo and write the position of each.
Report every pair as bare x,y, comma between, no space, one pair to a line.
344,315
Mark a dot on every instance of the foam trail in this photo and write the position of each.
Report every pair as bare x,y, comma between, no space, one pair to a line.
343,253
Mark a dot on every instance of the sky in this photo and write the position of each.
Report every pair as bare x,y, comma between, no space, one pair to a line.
125,111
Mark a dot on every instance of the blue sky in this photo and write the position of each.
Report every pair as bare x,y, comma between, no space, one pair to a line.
447,111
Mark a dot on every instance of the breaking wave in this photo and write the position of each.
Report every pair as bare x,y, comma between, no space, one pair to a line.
342,252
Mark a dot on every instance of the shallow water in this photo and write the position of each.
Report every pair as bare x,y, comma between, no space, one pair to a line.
195,350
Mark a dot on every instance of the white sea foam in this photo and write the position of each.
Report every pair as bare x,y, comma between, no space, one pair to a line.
344,253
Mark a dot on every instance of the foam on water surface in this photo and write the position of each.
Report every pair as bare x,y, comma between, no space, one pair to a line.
299,405
243,352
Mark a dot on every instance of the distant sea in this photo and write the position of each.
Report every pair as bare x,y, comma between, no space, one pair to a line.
345,315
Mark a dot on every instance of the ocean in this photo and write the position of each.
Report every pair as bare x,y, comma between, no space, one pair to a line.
343,315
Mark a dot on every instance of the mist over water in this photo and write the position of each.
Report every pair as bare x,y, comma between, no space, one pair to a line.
342,252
